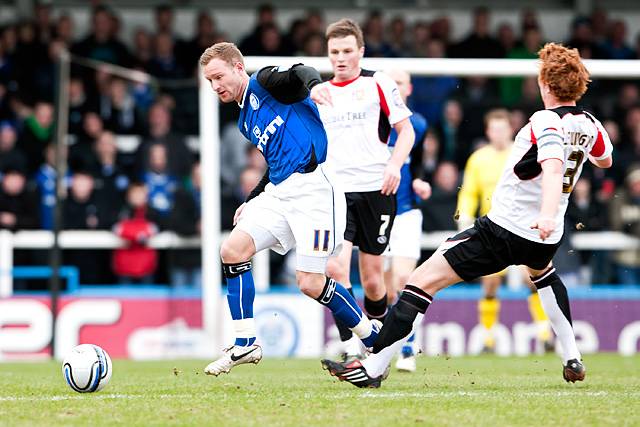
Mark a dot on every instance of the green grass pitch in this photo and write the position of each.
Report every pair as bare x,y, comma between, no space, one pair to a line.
469,391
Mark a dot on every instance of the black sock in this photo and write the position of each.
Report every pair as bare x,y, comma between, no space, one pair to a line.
343,330
376,309
399,322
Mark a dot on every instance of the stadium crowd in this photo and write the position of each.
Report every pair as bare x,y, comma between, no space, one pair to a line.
156,185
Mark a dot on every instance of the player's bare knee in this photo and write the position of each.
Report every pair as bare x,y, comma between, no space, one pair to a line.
232,253
336,270
310,284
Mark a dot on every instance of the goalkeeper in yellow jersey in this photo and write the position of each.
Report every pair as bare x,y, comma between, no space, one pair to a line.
481,174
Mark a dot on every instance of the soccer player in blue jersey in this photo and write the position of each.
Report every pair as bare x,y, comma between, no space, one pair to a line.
403,252
294,206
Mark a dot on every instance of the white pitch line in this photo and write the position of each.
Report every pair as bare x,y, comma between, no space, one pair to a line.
453,394
98,396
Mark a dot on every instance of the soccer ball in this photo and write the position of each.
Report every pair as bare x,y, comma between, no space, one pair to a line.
87,368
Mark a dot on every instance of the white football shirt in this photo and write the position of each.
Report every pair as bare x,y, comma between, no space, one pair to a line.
565,133
358,127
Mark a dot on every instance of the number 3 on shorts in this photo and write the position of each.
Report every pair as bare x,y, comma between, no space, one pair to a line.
385,223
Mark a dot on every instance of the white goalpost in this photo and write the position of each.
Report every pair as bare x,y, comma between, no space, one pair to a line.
210,144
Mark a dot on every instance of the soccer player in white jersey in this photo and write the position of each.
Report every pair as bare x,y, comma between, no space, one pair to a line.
358,108
524,225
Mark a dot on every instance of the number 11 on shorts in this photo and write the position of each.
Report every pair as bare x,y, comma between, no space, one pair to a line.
316,240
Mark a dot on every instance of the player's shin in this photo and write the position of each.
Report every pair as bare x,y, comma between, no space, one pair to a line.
345,309
343,330
400,324
240,295
555,302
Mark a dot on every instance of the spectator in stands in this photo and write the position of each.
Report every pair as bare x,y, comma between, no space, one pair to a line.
398,36
599,20
511,87
9,154
164,63
477,95
179,156
439,210
420,37
314,45
186,264
86,209
587,213
119,111
18,204
64,29
109,175
45,180
29,55
36,134
479,43
78,105
295,37
615,45
454,143
45,29
581,38
430,153
206,35
441,29
142,48
101,44
271,43
528,19
624,216
160,184
251,44
628,97
373,31
81,156
430,93
136,262
506,37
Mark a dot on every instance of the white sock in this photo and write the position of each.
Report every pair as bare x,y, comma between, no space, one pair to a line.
560,324
377,363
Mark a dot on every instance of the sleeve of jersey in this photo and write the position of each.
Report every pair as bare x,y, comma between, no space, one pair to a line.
288,84
546,133
390,100
602,147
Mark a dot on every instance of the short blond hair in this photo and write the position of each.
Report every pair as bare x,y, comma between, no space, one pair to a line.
344,28
228,52
563,71
496,114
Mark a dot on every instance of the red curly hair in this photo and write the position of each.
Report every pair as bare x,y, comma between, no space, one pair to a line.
563,71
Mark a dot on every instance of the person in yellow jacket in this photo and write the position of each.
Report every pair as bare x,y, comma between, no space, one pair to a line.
481,174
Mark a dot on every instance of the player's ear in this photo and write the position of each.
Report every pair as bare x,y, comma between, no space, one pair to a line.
239,67
361,52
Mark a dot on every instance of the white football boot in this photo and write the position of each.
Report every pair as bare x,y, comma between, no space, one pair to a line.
406,363
232,356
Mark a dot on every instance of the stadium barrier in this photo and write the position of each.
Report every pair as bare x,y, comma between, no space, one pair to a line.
98,239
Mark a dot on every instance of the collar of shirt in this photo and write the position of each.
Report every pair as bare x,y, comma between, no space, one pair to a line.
244,95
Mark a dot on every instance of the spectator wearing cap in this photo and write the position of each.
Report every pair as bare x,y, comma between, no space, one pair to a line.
624,215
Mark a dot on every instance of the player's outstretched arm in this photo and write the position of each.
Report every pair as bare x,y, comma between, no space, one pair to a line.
551,193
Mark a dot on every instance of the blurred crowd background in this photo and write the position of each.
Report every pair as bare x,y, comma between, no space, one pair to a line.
133,147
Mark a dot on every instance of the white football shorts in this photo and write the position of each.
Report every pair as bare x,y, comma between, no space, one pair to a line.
306,211
405,235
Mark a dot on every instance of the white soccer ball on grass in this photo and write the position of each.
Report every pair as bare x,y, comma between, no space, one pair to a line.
87,368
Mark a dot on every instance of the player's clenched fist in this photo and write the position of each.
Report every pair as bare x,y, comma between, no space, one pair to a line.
320,95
